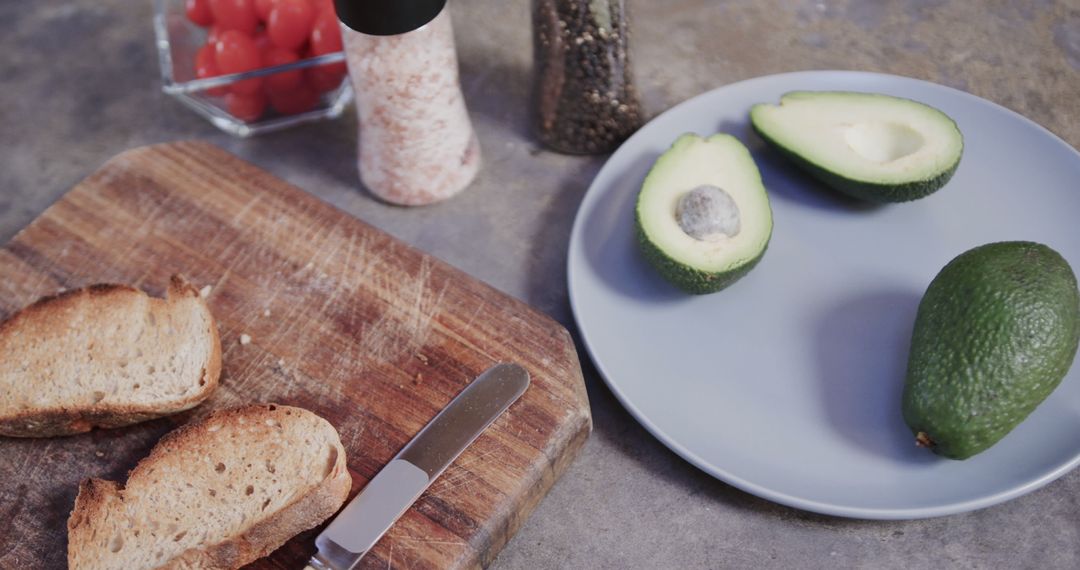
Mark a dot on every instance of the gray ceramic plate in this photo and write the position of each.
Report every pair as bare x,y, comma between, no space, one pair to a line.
787,384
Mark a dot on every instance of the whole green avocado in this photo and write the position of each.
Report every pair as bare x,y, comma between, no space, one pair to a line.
995,333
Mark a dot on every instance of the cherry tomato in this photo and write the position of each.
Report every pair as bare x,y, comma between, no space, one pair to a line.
262,42
325,34
322,6
198,11
247,108
262,9
299,100
282,80
206,66
235,15
290,23
325,77
236,52
326,38
213,35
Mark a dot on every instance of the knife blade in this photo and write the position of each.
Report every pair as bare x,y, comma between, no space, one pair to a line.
397,486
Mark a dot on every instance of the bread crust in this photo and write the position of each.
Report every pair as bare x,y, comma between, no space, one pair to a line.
61,420
303,512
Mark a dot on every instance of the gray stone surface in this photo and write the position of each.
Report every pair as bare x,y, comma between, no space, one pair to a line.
80,84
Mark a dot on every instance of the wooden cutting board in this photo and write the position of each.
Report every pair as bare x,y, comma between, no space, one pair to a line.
343,320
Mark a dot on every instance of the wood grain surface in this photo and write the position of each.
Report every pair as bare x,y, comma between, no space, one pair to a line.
342,319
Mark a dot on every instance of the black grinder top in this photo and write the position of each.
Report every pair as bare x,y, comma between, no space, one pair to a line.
387,17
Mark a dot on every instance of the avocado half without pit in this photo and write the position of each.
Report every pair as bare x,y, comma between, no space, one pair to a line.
871,147
703,217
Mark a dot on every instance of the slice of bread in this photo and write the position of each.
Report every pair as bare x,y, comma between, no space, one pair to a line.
218,493
105,356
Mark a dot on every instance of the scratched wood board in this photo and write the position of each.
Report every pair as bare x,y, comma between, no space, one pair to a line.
343,319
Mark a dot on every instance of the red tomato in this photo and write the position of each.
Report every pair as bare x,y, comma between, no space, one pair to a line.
206,66
290,23
326,38
236,52
262,9
262,42
235,15
325,34
325,77
322,6
282,80
299,100
198,11
247,108
213,35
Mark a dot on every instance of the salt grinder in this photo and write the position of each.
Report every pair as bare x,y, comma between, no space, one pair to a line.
416,142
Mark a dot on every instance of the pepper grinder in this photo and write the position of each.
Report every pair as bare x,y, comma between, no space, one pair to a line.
583,89
416,142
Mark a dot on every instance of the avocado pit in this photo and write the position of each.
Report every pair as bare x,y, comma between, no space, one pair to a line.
708,213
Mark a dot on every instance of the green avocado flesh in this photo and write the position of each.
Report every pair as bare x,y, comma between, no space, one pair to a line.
872,147
995,333
703,217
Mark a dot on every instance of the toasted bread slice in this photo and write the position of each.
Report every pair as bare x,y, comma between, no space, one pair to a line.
218,493
105,356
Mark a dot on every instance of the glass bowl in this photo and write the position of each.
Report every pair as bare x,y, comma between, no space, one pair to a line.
178,39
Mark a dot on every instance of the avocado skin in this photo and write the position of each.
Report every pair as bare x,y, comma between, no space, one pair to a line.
686,278
995,333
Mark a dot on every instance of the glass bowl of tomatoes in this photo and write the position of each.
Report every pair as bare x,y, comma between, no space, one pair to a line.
253,66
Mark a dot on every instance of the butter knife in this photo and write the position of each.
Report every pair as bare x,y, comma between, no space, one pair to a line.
397,486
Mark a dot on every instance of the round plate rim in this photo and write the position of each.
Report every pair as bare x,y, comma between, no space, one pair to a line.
722,474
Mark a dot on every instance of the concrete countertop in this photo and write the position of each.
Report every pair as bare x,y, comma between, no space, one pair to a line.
80,84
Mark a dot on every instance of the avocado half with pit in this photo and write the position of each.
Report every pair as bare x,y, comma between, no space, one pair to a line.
703,217
872,147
